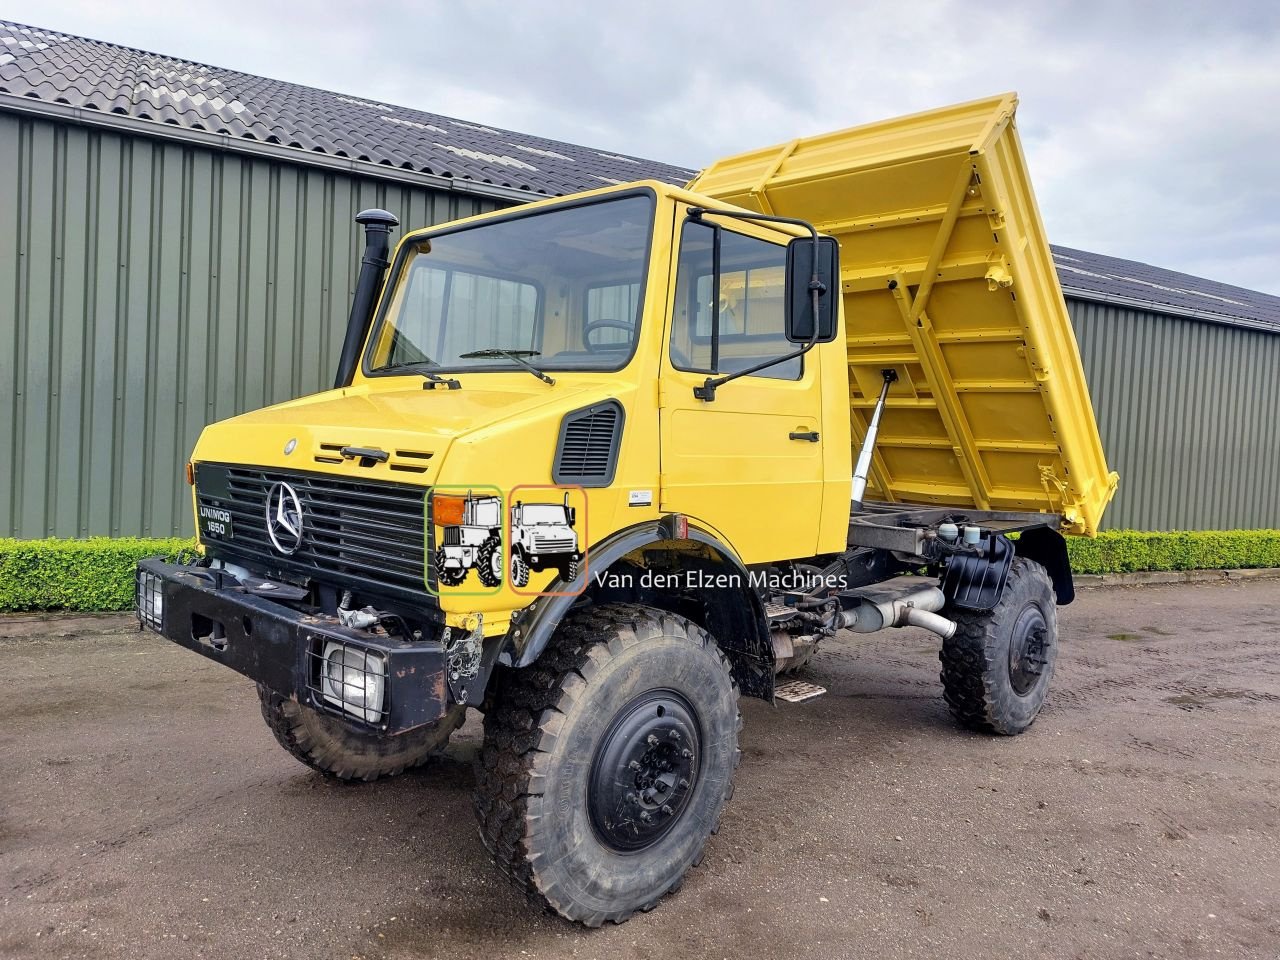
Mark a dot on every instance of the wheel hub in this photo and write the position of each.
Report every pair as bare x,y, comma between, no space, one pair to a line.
1028,650
644,770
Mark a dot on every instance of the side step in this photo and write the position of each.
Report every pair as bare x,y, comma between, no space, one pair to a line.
798,691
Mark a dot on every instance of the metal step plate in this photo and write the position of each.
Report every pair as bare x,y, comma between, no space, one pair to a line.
798,691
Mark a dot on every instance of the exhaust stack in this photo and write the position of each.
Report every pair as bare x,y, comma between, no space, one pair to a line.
378,225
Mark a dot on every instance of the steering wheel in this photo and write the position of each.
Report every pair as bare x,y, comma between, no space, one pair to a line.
606,324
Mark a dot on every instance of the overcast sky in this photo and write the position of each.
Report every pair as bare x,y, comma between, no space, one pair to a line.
1151,129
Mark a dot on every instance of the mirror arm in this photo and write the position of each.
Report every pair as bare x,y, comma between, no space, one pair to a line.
816,288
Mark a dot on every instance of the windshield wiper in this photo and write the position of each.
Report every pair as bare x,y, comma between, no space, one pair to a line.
516,356
433,379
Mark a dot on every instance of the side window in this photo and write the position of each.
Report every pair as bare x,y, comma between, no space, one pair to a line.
729,319
611,315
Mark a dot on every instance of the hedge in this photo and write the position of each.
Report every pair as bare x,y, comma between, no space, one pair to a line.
97,574
86,575
1128,551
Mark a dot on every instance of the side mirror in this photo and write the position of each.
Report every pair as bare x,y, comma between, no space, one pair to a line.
573,516
799,300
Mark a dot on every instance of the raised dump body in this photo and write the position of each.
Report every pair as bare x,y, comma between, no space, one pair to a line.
949,281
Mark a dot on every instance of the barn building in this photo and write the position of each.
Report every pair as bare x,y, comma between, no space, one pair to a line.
176,246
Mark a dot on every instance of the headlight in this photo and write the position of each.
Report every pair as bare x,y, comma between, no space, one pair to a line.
149,599
354,680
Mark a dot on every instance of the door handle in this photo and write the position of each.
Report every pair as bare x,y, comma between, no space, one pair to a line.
810,435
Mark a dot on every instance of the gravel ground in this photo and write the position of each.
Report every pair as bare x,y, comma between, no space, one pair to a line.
145,811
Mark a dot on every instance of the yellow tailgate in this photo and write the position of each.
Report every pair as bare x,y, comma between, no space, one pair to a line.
948,280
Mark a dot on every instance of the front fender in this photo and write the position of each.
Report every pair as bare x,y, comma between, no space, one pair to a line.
748,646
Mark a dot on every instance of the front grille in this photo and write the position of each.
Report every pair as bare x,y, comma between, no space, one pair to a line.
356,534
541,543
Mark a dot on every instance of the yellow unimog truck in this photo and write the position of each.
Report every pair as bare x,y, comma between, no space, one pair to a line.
812,394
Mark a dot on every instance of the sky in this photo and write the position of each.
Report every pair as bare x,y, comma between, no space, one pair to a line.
1152,130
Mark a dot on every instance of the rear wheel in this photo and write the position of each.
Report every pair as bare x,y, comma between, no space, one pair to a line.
489,562
337,749
996,669
607,764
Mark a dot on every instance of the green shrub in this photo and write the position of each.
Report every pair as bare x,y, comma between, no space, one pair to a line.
97,574
1128,551
89,575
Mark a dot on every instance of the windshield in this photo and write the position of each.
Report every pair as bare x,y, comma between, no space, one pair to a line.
559,290
532,513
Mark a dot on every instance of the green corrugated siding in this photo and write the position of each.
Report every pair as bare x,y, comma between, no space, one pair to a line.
148,288
1189,413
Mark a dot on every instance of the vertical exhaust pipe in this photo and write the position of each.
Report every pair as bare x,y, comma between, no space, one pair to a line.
378,225
863,467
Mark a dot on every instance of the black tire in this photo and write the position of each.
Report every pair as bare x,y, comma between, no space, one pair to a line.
519,569
560,804
446,577
489,562
996,669
338,750
569,572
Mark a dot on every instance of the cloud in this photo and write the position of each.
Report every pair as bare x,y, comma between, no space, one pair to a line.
1147,126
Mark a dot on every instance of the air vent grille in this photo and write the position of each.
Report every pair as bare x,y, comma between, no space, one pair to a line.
587,453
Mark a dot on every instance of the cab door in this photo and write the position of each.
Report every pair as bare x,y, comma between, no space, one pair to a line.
748,463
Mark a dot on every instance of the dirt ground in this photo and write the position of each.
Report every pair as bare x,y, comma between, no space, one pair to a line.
145,811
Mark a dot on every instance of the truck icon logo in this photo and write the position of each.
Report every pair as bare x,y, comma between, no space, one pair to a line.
284,517
543,538
470,539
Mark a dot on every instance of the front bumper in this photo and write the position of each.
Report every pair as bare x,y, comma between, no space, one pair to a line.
210,612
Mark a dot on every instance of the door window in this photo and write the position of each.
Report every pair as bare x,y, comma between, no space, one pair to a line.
730,292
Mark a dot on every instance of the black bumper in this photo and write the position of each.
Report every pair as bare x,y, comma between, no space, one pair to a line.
211,613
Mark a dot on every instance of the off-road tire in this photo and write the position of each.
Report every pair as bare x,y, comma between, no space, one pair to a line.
485,562
338,750
978,676
569,572
446,577
543,727
519,569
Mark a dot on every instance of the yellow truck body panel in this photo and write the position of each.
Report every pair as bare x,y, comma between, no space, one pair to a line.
947,279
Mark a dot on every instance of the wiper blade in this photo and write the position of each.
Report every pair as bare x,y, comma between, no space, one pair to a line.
433,379
515,356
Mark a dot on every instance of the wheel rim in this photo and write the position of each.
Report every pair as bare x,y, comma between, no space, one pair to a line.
1028,650
644,771
495,564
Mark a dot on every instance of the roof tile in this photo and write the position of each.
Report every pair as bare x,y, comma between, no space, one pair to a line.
150,87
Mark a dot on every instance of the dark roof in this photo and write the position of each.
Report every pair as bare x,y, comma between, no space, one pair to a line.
1091,276
58,68
148,91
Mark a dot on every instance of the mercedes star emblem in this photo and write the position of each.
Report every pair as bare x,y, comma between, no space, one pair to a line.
284,517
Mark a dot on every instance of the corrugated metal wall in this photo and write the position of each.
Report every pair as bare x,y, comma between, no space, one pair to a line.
148,288
1189,413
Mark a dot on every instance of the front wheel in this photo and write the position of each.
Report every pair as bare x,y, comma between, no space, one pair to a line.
607,764
996,669
519,569
337,749
448,576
